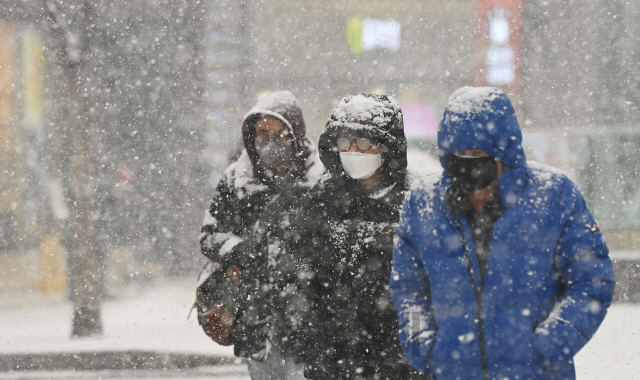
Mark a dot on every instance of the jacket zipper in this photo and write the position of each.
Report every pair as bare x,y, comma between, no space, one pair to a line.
483,354
478,293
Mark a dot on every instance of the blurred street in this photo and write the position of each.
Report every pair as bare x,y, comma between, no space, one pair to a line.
225,372
144,317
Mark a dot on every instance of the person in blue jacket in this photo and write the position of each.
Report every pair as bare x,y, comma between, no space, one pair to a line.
499,269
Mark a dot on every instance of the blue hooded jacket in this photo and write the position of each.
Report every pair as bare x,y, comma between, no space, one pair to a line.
548,279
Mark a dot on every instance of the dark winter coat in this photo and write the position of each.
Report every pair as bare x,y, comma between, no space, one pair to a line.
245,223
548,279
346,322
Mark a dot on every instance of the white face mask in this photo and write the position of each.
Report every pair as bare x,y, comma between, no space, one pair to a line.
360,165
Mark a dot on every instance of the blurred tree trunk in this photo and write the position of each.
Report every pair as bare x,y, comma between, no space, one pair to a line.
72,53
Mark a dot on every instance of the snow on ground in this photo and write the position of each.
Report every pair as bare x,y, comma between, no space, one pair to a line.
222,372
613,352
155,319
152,318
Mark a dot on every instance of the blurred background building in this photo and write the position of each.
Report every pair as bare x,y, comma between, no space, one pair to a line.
168,82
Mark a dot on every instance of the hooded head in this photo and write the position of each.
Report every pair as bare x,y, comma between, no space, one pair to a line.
283,106
376,117
481,118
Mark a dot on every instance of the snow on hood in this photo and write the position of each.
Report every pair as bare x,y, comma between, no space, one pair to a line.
481,118
377,117
282,105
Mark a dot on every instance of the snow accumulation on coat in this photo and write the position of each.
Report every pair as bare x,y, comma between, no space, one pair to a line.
245,188
246,223
466,125
372,116
346,324
548,280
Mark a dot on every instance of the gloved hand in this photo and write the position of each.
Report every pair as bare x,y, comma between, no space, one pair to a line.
250,333
217,324
217,302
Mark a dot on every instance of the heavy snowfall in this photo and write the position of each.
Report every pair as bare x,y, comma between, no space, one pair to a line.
275,189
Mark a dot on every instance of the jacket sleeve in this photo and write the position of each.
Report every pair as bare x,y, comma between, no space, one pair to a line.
410,291
585,270
303,243
223,226
307,312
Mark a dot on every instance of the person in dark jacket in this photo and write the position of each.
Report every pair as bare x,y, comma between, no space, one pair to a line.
344,323
243,236
499,269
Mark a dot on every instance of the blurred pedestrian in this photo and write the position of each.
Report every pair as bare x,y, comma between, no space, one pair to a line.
243,234
344,323
499,269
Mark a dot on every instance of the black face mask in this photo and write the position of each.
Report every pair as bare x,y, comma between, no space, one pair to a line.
471,173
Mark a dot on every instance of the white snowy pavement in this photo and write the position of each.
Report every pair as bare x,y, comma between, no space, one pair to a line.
154,318
222,372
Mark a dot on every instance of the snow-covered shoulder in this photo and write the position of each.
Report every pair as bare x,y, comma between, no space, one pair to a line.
546,177
239,175
423,194
324,179
421,164
426,186
313,166
320,186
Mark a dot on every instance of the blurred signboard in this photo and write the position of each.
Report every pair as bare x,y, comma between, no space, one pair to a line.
372,34
500,57
498,45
